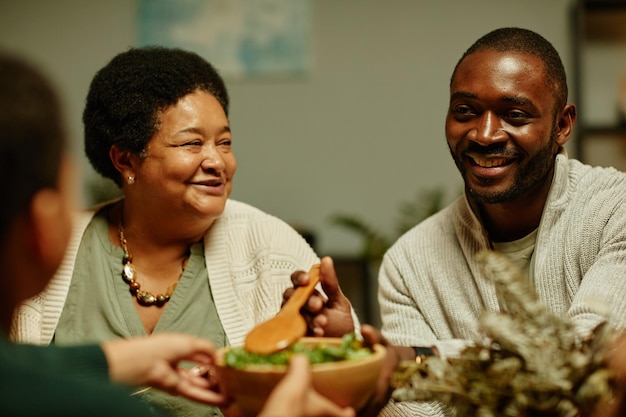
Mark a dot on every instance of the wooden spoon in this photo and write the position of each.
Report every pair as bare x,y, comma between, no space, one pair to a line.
288,325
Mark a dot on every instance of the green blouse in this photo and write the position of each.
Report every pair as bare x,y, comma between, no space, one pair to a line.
100,306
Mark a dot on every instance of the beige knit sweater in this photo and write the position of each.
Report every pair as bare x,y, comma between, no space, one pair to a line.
432,292
431,288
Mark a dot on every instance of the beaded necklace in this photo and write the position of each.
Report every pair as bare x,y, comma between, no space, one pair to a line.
145,298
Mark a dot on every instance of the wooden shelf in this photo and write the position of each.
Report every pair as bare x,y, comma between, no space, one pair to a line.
599,43
604,130
593,5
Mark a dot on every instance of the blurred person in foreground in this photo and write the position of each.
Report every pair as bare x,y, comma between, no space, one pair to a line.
35,227
561,221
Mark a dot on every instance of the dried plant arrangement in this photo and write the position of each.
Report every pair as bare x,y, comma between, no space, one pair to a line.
531,362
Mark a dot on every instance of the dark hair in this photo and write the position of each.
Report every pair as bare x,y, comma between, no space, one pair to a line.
32,136
127,96
525,41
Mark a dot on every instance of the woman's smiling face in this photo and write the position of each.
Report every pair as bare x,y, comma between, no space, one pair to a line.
189,163
501,125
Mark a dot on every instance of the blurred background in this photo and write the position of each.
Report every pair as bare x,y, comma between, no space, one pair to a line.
353,124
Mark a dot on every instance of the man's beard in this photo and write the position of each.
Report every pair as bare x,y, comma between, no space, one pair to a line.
528,177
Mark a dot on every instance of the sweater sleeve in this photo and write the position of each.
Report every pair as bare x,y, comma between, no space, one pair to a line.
82,363
600,292
404,323
67,382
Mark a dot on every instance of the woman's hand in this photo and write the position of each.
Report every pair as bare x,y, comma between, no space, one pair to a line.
330,315
295,396
154,361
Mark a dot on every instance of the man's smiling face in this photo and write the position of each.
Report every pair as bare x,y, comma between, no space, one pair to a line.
501,125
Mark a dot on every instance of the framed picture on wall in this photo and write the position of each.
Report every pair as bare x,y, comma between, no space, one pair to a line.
242,38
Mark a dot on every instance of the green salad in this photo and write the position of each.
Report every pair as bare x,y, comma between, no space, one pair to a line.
350,348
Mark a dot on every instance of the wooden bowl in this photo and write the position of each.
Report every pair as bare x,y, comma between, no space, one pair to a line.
347,382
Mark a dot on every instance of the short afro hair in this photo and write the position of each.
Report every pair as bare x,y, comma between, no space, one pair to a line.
524,41
127,96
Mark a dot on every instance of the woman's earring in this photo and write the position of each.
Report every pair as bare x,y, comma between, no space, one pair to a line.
130,180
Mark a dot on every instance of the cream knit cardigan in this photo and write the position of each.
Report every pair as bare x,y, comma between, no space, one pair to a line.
433,292
249,255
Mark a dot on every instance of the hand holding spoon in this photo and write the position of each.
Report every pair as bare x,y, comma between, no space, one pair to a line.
288,325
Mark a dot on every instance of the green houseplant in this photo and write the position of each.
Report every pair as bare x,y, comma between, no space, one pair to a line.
426,202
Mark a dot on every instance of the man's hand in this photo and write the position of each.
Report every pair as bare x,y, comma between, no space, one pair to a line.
617,362
330,315
381,396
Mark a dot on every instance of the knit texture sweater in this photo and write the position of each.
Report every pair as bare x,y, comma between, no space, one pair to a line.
432,291
250,256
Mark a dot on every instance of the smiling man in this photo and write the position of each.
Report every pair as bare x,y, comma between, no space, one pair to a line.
561,221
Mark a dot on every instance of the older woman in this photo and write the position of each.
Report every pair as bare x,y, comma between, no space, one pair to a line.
174,254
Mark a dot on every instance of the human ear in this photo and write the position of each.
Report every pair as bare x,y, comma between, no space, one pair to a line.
565,123
50,227
123,162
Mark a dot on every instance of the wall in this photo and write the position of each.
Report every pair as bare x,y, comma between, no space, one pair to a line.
360,134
